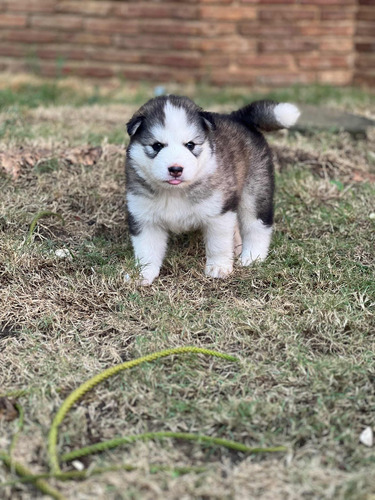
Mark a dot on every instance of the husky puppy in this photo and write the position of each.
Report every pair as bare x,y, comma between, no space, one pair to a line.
187,168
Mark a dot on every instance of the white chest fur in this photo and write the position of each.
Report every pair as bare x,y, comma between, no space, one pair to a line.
174,211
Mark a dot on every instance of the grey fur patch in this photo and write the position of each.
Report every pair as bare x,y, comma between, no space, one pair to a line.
135,227
135,183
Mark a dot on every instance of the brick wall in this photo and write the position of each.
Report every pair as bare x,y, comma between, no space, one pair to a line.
261,42
365,43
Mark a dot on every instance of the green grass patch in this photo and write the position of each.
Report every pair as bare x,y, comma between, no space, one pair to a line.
302,323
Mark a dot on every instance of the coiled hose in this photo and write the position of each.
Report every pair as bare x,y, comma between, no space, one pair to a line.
54,460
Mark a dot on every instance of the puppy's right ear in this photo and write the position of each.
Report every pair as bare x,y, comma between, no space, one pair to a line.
133,124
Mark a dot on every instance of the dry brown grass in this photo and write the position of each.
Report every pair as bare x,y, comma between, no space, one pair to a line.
302,323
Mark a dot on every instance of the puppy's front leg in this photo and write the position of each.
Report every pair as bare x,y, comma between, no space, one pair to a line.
150,245
219,234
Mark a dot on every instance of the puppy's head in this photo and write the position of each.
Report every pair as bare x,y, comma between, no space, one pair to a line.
170,142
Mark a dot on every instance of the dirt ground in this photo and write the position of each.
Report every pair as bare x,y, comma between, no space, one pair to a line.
301,323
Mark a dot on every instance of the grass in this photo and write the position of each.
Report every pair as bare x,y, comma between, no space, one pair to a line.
302,323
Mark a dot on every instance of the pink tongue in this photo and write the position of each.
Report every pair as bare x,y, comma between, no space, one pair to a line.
174,182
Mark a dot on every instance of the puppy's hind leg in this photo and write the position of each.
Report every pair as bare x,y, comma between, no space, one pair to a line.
256,231
237,241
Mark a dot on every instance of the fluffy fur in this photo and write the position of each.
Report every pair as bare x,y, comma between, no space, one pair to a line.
188,169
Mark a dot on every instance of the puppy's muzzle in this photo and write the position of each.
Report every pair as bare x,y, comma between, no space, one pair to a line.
175,171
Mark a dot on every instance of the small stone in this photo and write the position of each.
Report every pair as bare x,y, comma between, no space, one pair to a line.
367,437
78,465
333,120
63,253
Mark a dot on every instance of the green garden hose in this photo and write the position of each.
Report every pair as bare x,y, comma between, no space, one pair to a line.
97,379
54,460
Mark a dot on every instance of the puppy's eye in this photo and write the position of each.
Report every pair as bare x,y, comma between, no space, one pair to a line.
190,145
157,146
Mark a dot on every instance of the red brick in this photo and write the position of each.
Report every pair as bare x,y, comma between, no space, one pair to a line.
365,61
112,25
9,20
176,61
266,60
366,14
365,80
277,1
115,56
336,45
335,77
156,42
94,71
98,8
299,45
216,61
90,39
366,29
227,44
254,28
324,62
156,74
31,5
288,14
220,77
12,50
32,36
155,11
56,52
58,21
228,13
338,14
329,2
216,28
365,46
220,2
330,30
288,78
170,27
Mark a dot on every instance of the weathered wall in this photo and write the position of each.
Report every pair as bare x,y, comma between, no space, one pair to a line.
365,43
262,42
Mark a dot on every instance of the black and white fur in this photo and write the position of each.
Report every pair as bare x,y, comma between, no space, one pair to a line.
187,168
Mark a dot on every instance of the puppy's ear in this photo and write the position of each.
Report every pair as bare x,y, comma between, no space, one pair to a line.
208,120
133,124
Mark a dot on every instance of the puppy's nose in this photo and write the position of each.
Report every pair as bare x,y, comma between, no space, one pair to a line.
175,170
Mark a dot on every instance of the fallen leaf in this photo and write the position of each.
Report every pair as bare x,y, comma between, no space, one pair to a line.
14,160
83,156
10,164
8,411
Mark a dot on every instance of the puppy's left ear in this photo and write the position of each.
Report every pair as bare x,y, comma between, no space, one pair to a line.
133,124
208,120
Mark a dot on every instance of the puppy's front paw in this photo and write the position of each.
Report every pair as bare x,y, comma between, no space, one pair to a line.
218,271
249,258
147,275
144,282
